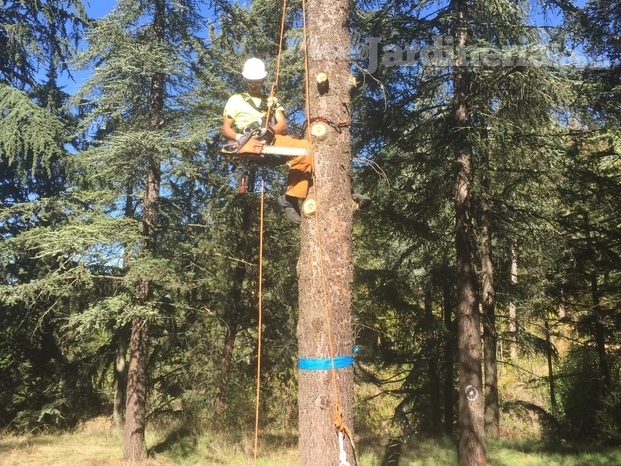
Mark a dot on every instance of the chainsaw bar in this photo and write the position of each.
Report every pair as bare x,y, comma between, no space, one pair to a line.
233,149
255,148
284,150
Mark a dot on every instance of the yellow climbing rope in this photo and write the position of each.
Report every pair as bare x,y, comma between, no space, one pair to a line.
260,326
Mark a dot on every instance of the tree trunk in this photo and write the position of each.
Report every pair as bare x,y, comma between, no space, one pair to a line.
225,369
238,311
553,409
449,357
490,336
122,334
120,376
434,380
600,334
513,353
325,267
134,447
471,423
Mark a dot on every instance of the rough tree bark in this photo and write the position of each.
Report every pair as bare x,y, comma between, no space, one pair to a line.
134,447
471,423
325,256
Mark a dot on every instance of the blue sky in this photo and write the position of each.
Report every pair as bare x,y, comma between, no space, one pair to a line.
99,8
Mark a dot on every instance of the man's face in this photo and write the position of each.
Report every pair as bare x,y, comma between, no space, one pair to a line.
254,85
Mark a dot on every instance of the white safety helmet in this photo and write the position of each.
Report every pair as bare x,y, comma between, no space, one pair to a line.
254,69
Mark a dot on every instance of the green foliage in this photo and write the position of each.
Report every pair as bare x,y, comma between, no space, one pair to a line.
545,140
589,408
30,136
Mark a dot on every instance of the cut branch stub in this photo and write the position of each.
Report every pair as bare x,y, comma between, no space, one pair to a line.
323,84
320,131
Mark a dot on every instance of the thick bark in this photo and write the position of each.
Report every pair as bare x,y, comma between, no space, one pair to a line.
490,336
134,447
325,267
471,423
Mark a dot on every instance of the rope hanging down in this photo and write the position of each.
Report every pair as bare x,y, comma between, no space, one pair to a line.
260,326
260,294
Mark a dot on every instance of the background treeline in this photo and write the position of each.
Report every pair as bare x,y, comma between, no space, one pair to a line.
77,171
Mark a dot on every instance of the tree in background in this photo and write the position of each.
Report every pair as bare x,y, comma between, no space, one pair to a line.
144,56
39,381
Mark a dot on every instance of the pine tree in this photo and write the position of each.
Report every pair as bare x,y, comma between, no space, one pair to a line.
36,43
144,68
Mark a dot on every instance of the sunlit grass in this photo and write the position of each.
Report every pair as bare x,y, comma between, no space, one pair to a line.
103,447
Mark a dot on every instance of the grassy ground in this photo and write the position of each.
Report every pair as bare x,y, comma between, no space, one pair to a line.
102,446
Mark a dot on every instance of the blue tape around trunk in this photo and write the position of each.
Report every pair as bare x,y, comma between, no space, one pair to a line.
324,364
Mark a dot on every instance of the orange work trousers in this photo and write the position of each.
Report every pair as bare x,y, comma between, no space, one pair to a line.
300,176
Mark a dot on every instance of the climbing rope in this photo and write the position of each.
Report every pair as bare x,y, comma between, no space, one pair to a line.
271,100
260,325
260,291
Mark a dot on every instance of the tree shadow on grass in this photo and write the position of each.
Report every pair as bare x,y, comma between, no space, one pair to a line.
392,455
183,442
180,440
386,452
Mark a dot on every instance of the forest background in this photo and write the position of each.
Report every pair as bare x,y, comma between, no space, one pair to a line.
543,96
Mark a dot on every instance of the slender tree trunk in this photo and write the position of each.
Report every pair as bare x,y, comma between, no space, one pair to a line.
550,369
434,380
600,334
134,446
225,369
122,334
449,357
238,310
471,421
325,268
490,338
513,348
120,375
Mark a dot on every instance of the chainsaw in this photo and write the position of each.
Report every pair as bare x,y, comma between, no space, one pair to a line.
255,144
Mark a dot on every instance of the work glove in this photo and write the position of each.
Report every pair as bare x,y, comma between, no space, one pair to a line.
272,102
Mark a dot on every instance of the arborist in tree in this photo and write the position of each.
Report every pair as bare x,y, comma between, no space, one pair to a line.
244,121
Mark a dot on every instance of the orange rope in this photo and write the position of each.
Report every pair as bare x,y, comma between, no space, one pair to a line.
260,330
277,76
